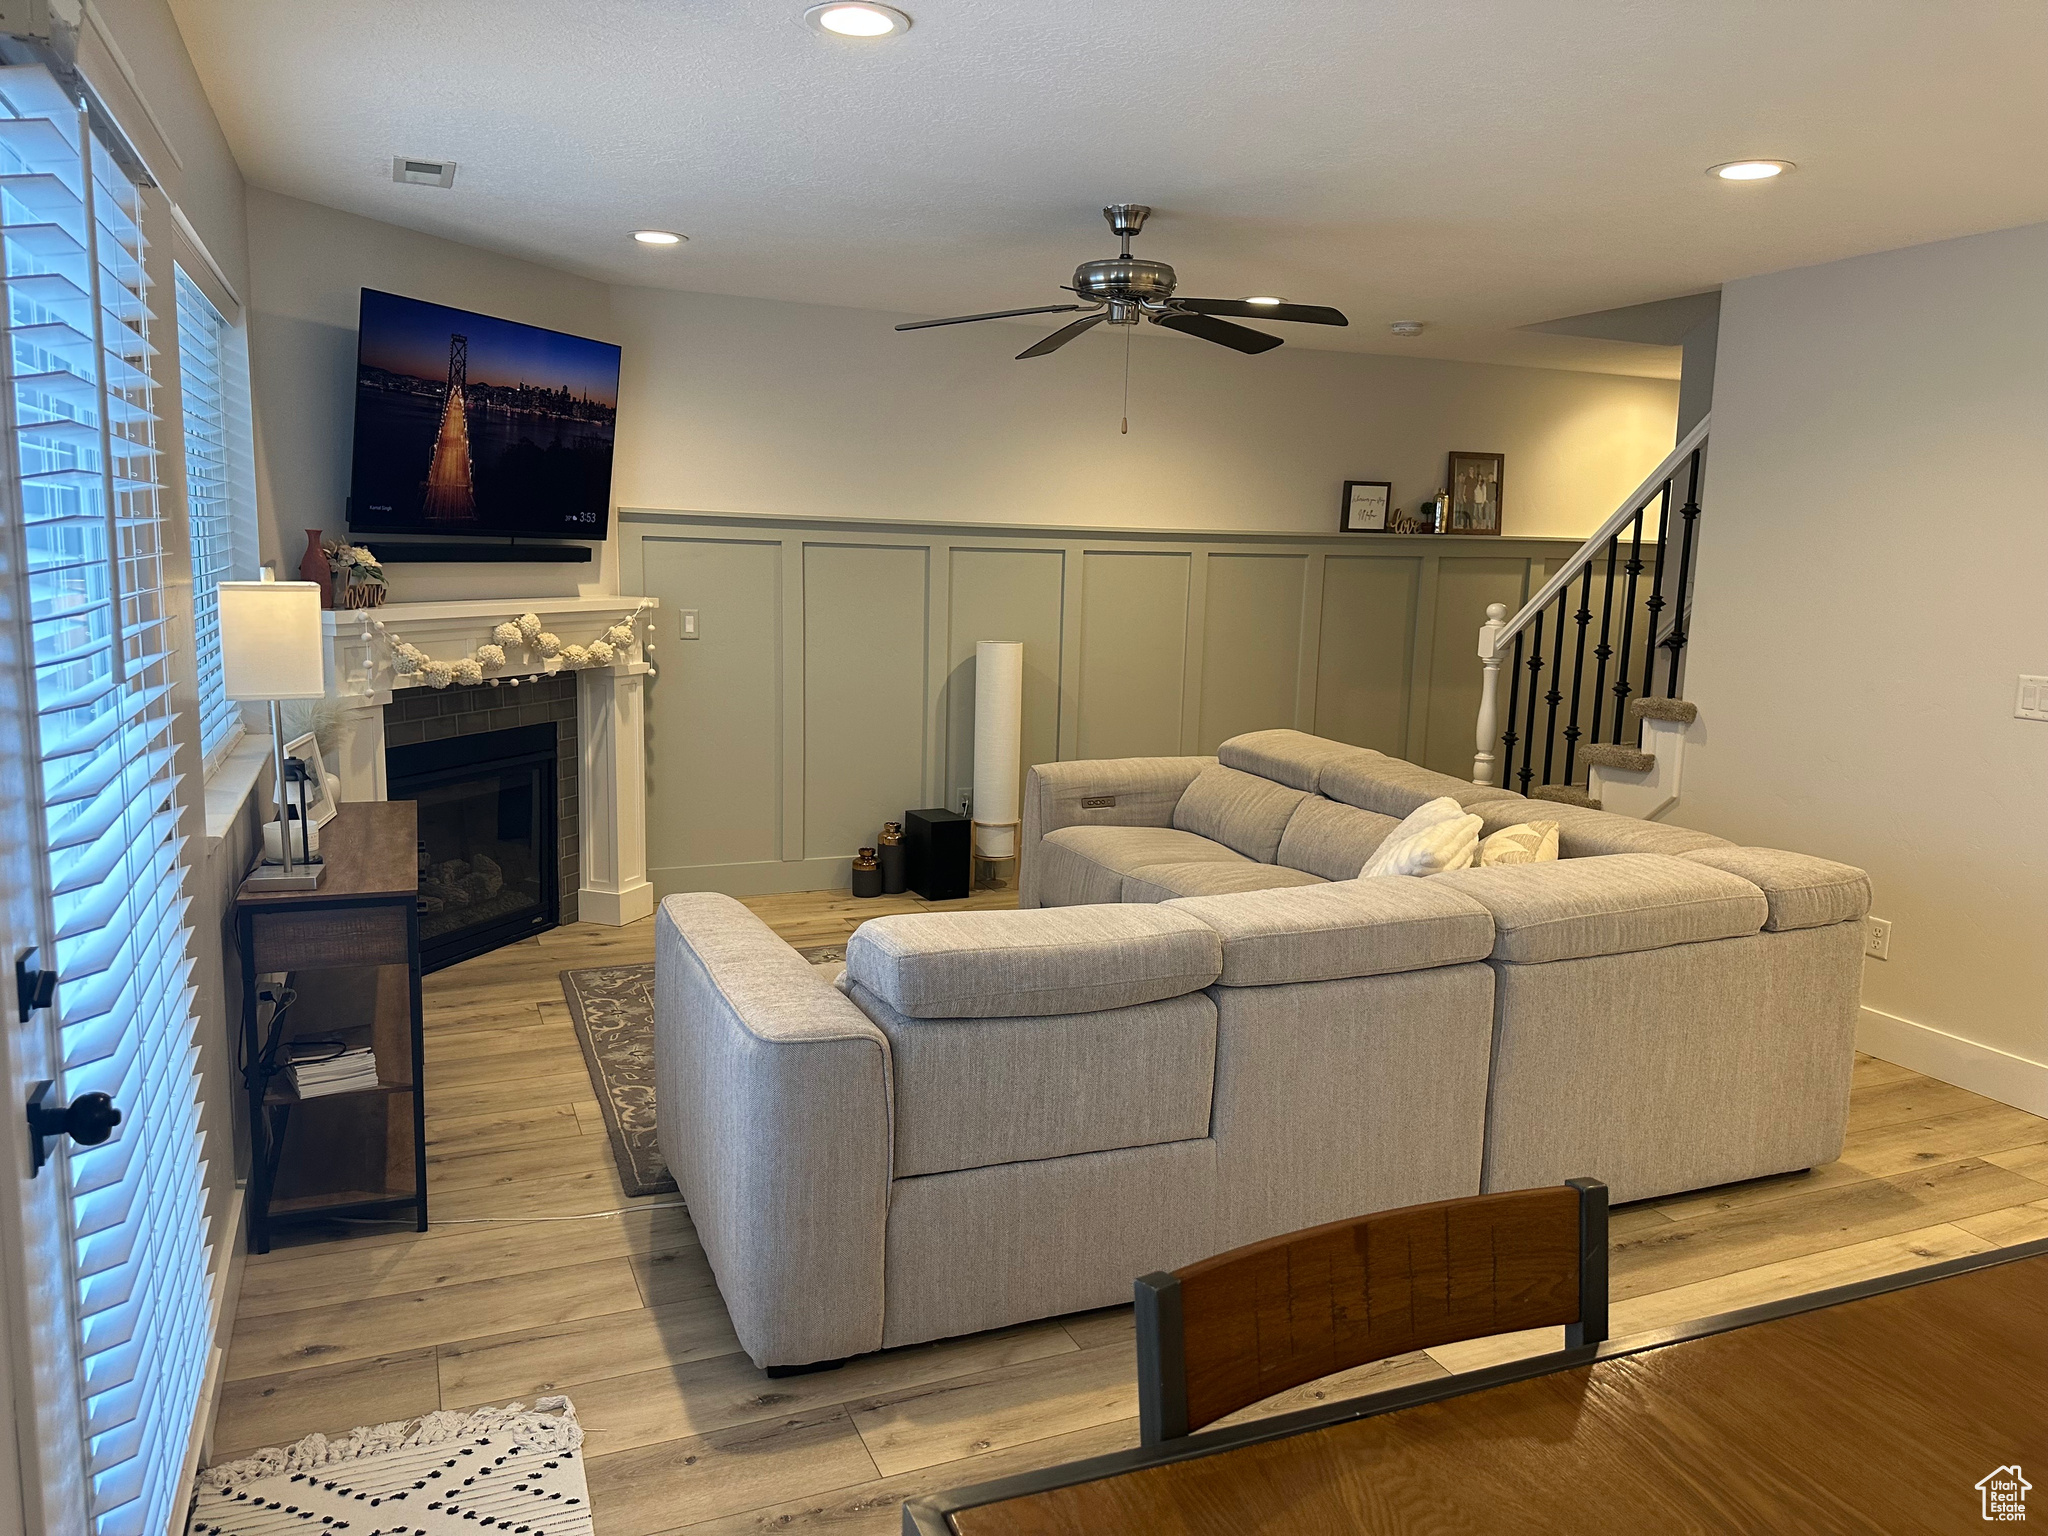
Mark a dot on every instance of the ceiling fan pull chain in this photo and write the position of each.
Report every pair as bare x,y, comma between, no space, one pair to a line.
1127,379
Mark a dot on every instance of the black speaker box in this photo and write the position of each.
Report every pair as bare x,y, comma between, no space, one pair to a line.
936,847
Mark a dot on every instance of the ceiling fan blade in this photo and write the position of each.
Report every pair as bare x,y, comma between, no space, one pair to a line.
998,314
1244,309
1063,335
1242,338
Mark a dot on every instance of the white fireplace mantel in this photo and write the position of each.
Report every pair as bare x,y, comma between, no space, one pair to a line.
610,718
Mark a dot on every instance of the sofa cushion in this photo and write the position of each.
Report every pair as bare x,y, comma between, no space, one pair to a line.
1342,928
1612,905
991,965
1584,833
1332,840
1526,842
1239,810
1081,866
975,1092
1163,882
1293,758
1803,892
1394,788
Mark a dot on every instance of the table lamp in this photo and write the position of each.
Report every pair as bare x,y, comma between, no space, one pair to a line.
270,649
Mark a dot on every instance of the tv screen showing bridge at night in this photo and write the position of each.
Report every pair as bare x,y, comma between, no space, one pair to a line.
470,424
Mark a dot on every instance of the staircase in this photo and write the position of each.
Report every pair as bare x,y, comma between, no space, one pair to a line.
1594,708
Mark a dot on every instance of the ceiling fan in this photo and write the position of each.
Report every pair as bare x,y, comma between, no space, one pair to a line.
1124,289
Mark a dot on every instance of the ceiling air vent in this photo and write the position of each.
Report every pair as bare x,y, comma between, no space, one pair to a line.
423,173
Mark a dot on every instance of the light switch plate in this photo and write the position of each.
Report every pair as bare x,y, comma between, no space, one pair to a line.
2031,703
689,623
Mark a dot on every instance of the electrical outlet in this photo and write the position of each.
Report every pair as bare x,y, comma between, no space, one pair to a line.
689,623
1877,938
2031,703
964,798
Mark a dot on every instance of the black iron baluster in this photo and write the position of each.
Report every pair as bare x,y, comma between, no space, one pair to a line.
1655,605
1585,617
1529,725
1688,515
1508,737
1603,650
1634,567
1553,696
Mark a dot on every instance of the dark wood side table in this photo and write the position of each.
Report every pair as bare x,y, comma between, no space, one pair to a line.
345,961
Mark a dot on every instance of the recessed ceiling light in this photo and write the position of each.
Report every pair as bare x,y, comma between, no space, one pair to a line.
659,237
1750,170
857,18
1406,327
1263,299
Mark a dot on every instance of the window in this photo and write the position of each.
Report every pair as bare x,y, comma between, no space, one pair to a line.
87,523
206,353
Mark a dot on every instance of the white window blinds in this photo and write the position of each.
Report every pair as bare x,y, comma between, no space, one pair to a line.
84,446
207,378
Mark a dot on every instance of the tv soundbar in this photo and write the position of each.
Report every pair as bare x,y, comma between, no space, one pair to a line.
450,554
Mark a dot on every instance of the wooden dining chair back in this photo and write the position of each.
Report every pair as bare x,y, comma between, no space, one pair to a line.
1234,1329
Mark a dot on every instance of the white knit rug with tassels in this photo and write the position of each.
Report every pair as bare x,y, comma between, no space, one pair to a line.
514,1470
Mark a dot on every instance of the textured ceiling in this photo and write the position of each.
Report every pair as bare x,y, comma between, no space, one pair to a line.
1479,166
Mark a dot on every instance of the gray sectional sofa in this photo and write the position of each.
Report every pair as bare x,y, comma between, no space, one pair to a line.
1202,1030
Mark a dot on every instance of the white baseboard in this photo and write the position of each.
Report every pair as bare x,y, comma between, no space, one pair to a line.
227,1291
1982,1069
615,908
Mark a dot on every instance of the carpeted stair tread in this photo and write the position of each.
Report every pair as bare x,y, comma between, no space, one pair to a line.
1611,755
1678,710
1564,794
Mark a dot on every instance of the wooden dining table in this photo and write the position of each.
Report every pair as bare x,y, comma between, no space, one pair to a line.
1917,1402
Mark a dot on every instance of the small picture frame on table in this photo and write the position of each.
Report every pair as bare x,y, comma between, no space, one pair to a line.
1475,481
319,802
1367,505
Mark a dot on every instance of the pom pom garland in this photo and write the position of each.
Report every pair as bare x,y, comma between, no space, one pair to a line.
409,660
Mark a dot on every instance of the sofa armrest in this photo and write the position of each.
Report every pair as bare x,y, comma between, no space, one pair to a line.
772,1108
1138,791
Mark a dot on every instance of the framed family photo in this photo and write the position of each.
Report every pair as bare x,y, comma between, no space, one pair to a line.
1474,479
1367,505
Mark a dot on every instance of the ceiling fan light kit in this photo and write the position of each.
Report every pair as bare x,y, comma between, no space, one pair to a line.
1124,289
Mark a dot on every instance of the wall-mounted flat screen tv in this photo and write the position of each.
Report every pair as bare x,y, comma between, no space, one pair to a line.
466,424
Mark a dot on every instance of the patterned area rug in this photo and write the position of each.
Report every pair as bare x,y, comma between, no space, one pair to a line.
613,1009
511,1469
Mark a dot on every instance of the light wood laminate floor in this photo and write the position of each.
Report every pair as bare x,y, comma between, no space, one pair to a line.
504,1300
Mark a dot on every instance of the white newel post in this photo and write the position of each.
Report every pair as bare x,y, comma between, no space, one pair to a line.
1487,736
611,716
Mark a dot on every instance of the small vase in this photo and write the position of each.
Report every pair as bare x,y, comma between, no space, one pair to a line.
867,876
313,567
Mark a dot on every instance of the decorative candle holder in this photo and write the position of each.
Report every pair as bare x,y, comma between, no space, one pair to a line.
867,875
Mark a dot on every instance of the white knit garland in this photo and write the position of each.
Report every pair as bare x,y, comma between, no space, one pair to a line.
524,632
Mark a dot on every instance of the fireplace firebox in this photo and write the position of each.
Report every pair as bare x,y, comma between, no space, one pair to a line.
488,838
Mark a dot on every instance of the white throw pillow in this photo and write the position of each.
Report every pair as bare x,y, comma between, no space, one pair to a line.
1526,842
1431,839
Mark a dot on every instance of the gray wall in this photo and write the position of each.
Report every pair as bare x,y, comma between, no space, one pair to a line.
1856,684
832,684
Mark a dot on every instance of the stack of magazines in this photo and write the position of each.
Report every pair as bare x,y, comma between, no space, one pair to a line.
318,1068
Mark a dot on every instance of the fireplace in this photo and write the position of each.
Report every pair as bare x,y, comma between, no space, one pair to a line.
488,838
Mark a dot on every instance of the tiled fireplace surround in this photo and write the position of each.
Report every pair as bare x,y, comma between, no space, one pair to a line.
601,783
435,714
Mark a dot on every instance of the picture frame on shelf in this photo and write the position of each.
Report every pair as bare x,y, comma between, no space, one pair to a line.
1367,506
1475,483
320,807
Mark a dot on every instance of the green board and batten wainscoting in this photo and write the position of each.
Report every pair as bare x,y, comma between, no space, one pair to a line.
832,684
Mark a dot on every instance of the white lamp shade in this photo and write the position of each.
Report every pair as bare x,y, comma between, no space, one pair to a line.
270,642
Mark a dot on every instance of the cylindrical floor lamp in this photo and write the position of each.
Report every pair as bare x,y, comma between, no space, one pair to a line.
998,749
271,649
